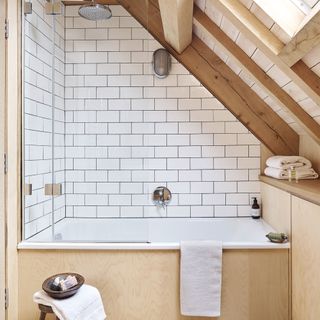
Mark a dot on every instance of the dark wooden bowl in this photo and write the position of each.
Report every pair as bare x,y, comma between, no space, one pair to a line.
46,286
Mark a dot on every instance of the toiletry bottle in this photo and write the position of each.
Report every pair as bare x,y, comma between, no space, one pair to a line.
255,209
292,174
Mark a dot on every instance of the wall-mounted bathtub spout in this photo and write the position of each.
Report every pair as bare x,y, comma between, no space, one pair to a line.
161,196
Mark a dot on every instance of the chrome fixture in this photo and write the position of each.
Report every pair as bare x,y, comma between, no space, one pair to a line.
53,189
27,7
28,189
161,63
95,11
54,8
161,196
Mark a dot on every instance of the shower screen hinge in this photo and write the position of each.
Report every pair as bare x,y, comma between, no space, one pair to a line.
5,163
6,28
28,8
6,298
53,189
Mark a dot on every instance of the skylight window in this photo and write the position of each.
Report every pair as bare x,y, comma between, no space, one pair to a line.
302,5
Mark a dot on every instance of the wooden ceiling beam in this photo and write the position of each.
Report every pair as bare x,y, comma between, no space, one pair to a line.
252,28
223,83
176,16
304,40
310,126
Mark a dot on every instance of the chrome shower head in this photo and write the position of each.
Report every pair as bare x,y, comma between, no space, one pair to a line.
95,11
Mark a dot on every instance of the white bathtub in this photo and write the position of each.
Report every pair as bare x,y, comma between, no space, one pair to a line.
153,233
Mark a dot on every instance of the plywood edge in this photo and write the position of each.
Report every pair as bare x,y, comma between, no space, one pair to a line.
305,189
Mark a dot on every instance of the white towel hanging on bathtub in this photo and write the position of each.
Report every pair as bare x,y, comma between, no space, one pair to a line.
200,278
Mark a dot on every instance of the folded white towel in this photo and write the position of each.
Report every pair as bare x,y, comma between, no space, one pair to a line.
283,174
285,162
200,278
86,304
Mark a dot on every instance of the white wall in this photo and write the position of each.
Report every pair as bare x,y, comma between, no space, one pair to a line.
38,118
128,132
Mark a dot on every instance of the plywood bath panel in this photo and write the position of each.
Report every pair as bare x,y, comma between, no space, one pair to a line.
144,285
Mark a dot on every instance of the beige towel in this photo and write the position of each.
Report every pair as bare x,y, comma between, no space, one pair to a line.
283,174
86,304
285,162
200,278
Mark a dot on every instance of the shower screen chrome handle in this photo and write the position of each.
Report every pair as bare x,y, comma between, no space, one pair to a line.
53,189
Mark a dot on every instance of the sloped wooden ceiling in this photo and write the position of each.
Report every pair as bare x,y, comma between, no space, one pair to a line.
221,81
260,104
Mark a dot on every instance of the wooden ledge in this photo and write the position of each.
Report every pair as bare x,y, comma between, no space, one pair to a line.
306,189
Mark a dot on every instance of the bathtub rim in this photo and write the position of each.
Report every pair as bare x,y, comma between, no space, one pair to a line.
28,245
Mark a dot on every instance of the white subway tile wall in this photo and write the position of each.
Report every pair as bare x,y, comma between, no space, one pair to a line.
40,116
128,132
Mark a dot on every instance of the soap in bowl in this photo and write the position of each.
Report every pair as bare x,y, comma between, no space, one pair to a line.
47,286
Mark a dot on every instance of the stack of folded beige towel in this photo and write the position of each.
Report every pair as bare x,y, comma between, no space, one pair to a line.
279,166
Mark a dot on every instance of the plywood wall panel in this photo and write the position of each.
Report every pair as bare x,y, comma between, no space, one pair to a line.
141,285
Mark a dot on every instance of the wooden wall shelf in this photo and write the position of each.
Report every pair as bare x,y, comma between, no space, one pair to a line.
306,189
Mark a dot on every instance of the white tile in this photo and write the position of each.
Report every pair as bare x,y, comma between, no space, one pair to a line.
178,211
202,187
237,199
143,175
131,188
237,151
189,127
178,187
237,175
225,139
189,175
154,164
189,152
119,176
225,211
95,200
178,163
166,175
249,163
154,140
178,116
225,187
202,139
202,163
202,211
131,140
131,164
189,104
214,199
108,164
118,81
201,115
119,200
108,188
108,212
131,116
225,163
131,212
154,116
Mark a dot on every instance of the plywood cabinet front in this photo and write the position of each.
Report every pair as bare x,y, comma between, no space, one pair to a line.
144,285
305,260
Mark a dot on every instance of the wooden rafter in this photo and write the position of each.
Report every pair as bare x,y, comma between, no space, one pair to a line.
262,37
222,82
310,126
176,18
306,38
